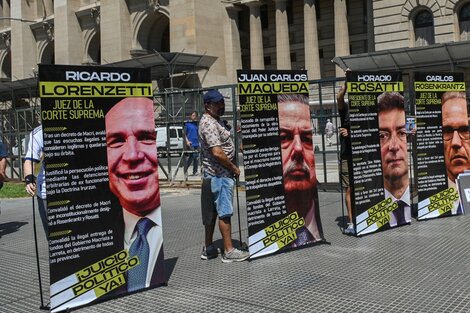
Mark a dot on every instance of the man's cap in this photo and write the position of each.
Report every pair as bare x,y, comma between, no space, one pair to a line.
212,96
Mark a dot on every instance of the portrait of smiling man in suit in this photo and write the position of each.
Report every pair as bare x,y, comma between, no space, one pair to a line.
133,179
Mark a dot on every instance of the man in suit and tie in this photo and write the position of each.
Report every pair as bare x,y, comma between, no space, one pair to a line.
298,161
133,178
456,135
394,154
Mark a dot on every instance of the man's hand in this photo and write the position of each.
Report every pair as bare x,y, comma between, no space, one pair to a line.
220,155
31,189
340,97
343,132
341,93
236,173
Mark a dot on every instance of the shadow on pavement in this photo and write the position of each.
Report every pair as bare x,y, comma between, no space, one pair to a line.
10,227
342,221
169,267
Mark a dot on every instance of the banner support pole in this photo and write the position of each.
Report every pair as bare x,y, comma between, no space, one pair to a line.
35,233
42,307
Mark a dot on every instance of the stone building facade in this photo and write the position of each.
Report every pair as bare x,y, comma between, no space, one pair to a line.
256,34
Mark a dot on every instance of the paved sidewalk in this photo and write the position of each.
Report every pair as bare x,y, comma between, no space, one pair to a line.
422,267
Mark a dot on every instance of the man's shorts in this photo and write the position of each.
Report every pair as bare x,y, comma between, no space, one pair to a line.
216,198
344,173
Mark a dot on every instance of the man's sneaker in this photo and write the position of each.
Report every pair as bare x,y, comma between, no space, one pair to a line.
235,256
209,253
350,229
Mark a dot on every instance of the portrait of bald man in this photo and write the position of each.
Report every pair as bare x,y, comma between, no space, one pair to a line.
133,179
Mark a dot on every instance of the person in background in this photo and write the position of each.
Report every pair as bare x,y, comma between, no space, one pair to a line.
345,155
192,144
329,131
36,186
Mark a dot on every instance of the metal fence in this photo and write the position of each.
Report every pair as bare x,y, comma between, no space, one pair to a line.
173,108
16,126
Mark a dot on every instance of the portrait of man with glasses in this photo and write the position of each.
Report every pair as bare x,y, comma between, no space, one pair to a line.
456,137
394,154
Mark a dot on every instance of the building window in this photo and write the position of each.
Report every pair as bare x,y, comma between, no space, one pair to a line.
263,11
424,29
292,37
464,22
290,13
267,60
364,11
293,57
317,9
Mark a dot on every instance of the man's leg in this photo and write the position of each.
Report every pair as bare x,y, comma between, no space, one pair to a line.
347,197
209,234
222,191
231,254
209,217
223,187
348,204
195,162
225,228
187,162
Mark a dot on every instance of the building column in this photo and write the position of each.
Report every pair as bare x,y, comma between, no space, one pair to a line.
5,13
232,43
282,36
370,27
115,26
67,33
312,54
256,36
341,32
23,44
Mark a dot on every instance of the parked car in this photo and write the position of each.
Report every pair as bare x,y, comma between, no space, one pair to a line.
176,139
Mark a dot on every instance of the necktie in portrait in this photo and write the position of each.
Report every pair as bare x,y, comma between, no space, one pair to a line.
137,275
303,237
399,213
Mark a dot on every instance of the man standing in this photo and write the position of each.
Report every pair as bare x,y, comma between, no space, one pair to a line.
133,178
218,153
34,156
298,162
456,137
192,144
329,131
394,154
